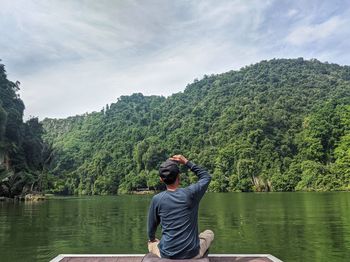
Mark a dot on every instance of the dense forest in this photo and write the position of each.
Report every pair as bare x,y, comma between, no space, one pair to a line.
22,151
278,125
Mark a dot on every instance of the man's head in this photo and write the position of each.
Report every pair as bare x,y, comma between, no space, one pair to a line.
169,171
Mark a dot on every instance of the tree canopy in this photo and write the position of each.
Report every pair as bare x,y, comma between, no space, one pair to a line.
22,149
278,125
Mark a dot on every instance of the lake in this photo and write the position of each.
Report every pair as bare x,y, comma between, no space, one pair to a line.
290,226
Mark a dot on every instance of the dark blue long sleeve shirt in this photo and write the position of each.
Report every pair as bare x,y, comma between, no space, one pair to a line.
177,213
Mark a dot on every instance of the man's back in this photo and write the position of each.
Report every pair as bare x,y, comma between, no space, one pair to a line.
177,213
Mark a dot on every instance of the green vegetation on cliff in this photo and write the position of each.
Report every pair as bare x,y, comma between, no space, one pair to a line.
22,151
279,125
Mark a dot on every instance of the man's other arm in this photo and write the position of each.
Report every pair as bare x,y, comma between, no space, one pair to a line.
153,221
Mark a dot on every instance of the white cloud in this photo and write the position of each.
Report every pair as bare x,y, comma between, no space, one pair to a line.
292,12
312,33
87,86
77,56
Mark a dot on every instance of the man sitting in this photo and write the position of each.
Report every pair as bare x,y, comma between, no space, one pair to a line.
176,210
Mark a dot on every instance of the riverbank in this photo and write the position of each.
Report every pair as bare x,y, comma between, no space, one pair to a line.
143,192
27,197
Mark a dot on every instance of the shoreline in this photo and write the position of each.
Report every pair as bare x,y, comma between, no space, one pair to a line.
48,196
24,198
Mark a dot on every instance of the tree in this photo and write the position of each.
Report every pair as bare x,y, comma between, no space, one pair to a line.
275,125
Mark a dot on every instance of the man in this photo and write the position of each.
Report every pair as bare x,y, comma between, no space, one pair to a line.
176,210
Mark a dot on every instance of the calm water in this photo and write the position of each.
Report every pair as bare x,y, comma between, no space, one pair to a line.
291,226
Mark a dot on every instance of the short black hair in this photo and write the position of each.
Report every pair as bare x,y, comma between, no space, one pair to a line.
168,171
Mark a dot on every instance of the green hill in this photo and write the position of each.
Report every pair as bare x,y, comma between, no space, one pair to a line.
278,125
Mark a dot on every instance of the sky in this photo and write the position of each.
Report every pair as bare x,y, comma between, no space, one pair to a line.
76,56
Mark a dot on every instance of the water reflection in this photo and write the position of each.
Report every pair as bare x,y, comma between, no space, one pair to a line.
291,226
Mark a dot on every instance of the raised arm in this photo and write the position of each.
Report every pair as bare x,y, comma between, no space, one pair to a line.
198,189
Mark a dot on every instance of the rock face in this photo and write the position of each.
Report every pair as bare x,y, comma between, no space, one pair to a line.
34,197
5,199
2,157
28,197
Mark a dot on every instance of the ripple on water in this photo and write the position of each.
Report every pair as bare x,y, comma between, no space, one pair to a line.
288,225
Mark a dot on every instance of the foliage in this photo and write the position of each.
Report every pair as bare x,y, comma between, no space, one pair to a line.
21,144
279,125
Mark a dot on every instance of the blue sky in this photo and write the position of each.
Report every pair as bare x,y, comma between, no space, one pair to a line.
76,56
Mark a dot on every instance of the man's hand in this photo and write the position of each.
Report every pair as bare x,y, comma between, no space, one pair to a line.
179,158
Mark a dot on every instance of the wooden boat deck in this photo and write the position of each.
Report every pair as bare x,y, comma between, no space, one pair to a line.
138,258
